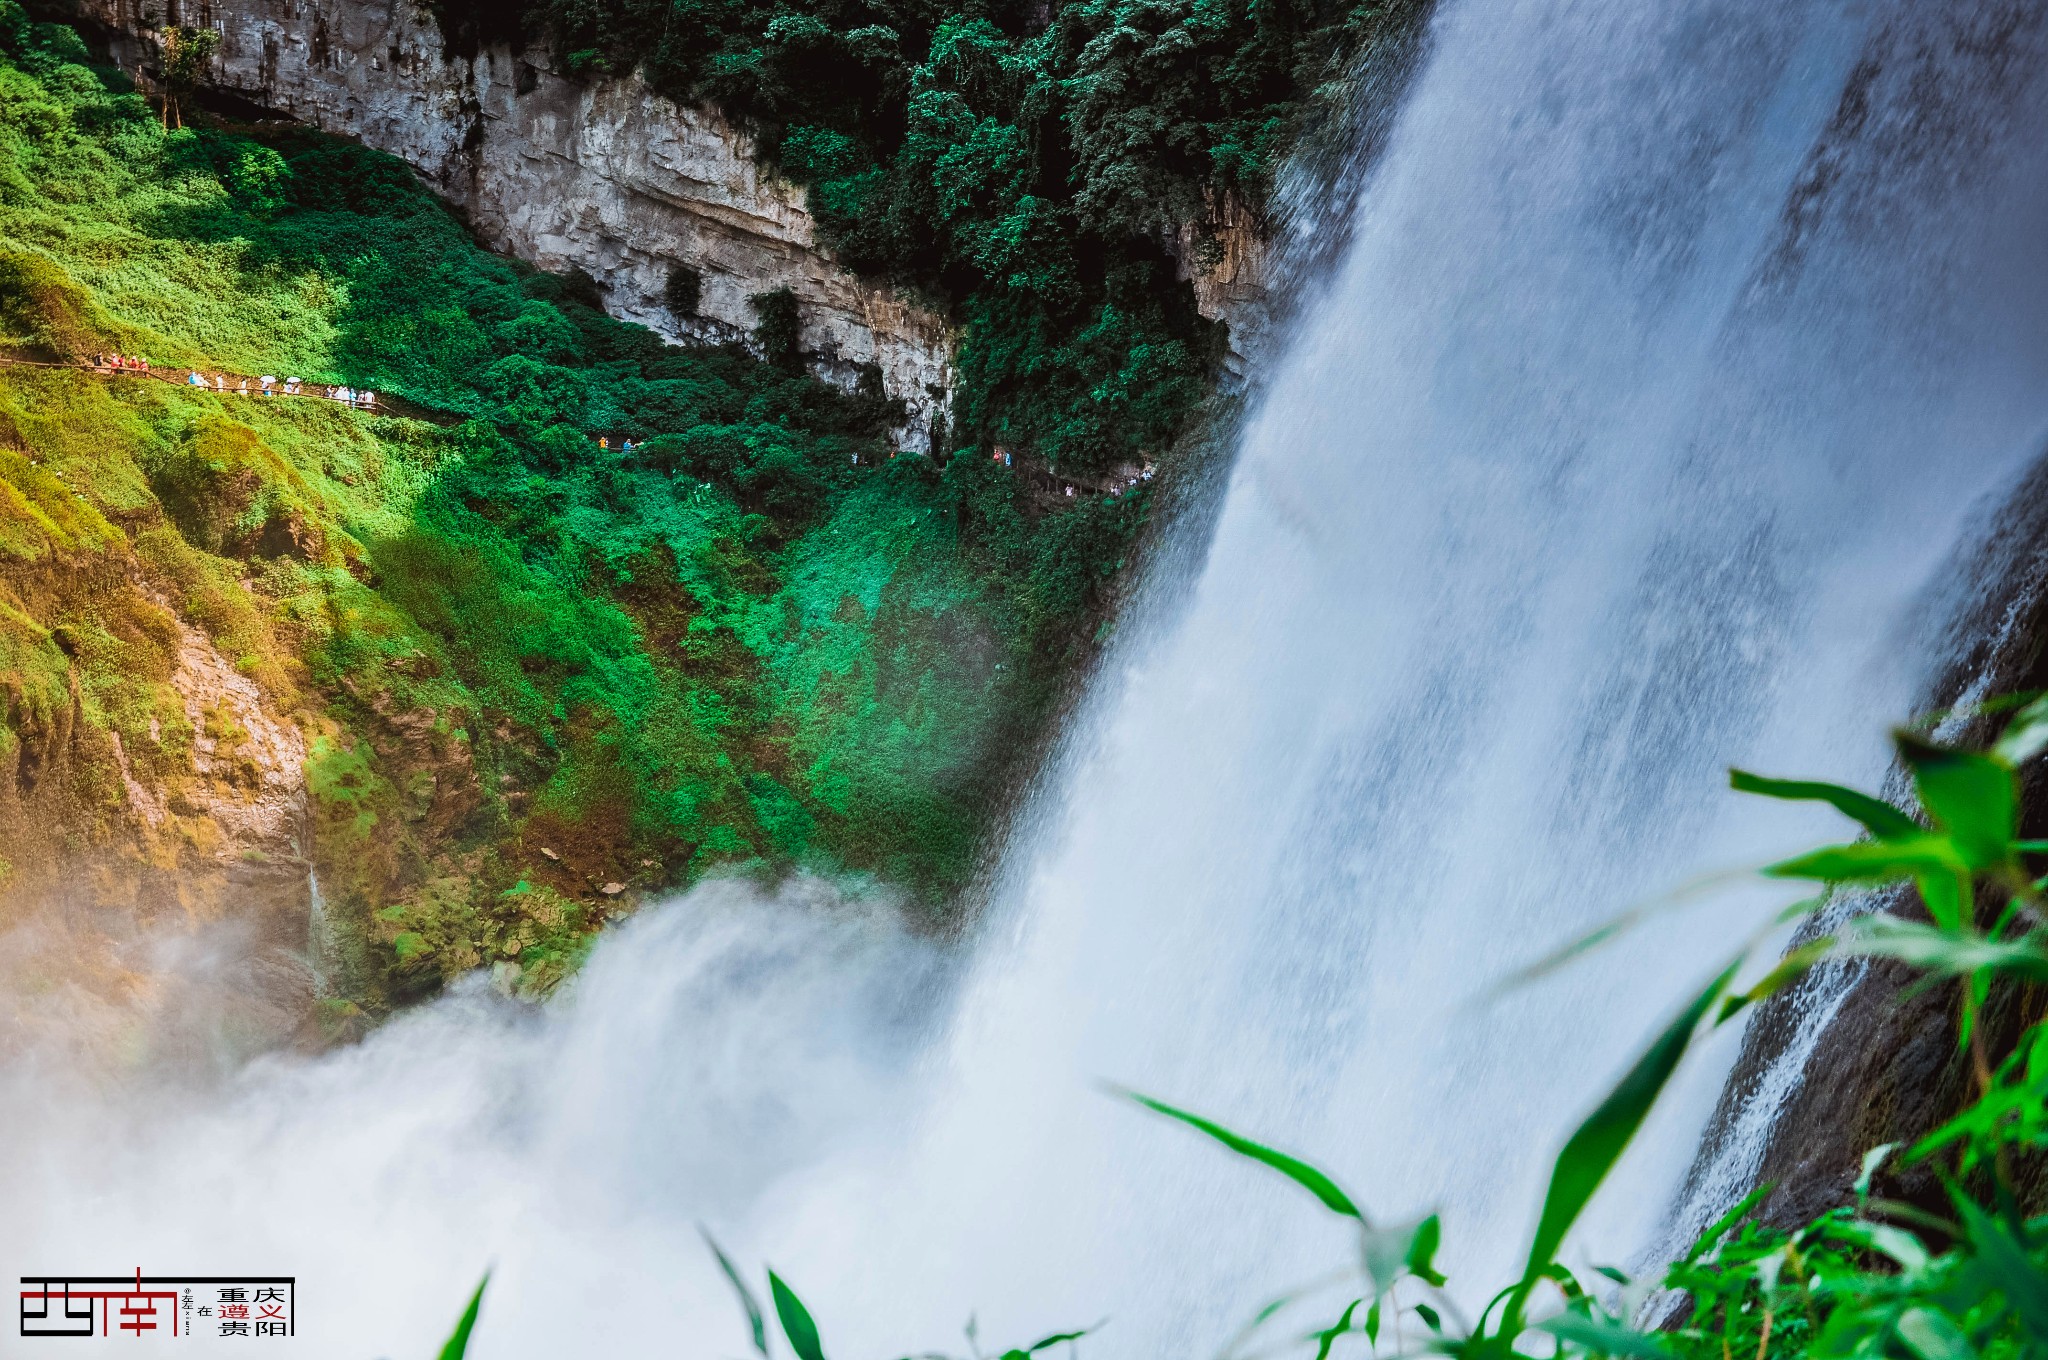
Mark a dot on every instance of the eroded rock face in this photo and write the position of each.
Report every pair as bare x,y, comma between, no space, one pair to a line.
607,177
1226,260
154,891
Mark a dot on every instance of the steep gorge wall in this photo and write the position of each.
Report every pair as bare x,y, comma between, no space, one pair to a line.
607,177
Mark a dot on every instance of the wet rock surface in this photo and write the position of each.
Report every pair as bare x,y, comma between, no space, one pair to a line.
1884,1065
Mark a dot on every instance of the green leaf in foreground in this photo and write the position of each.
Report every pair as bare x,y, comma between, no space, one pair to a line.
1880,818
1973,797
458,1342
1057,1338
1592,1151
755,1322
2026,736
1328,1336
1720,1226
1873,861
2006,1264
1429,1235
1872,1160
1603,1337
1932,1336
1943,953
1296,1170
796,1320
1794,966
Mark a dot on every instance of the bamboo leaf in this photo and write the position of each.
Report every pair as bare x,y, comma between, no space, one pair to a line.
1627,920
1880,818
1872,1160
1564,954
2026,736
1599,1142
1429,1235
1296,1170
1715,1230
1328,1337
1606,1338
1973,797
1873,861
1795,965
796,1320
2005,1261
1943,894
458,1341
1932,1336
755,1322
1904,1248
1046,1343
1937,951
1567,1282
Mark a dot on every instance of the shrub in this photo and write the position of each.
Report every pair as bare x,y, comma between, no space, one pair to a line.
779,333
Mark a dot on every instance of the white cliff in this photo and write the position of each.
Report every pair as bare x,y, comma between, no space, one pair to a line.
607,176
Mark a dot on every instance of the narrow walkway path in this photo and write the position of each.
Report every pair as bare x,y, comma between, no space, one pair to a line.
1047,483
242,385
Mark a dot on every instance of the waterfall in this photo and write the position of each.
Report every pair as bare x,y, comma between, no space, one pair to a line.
319,937
1673,348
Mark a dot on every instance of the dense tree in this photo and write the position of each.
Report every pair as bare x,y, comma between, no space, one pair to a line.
1022,164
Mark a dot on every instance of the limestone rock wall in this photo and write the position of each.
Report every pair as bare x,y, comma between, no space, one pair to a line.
608,177
1227,261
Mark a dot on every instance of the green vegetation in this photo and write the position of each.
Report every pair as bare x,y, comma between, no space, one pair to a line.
1021,163
458,1340
528,667
1956,1270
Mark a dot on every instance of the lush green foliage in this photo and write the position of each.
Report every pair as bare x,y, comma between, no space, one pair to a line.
1022,162
532,666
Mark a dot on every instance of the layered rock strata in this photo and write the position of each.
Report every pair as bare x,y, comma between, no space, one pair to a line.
607,177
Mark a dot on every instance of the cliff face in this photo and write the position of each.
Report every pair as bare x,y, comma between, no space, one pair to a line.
1226,261
606,177
152,787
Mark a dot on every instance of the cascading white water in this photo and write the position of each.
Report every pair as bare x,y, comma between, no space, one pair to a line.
1672,348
